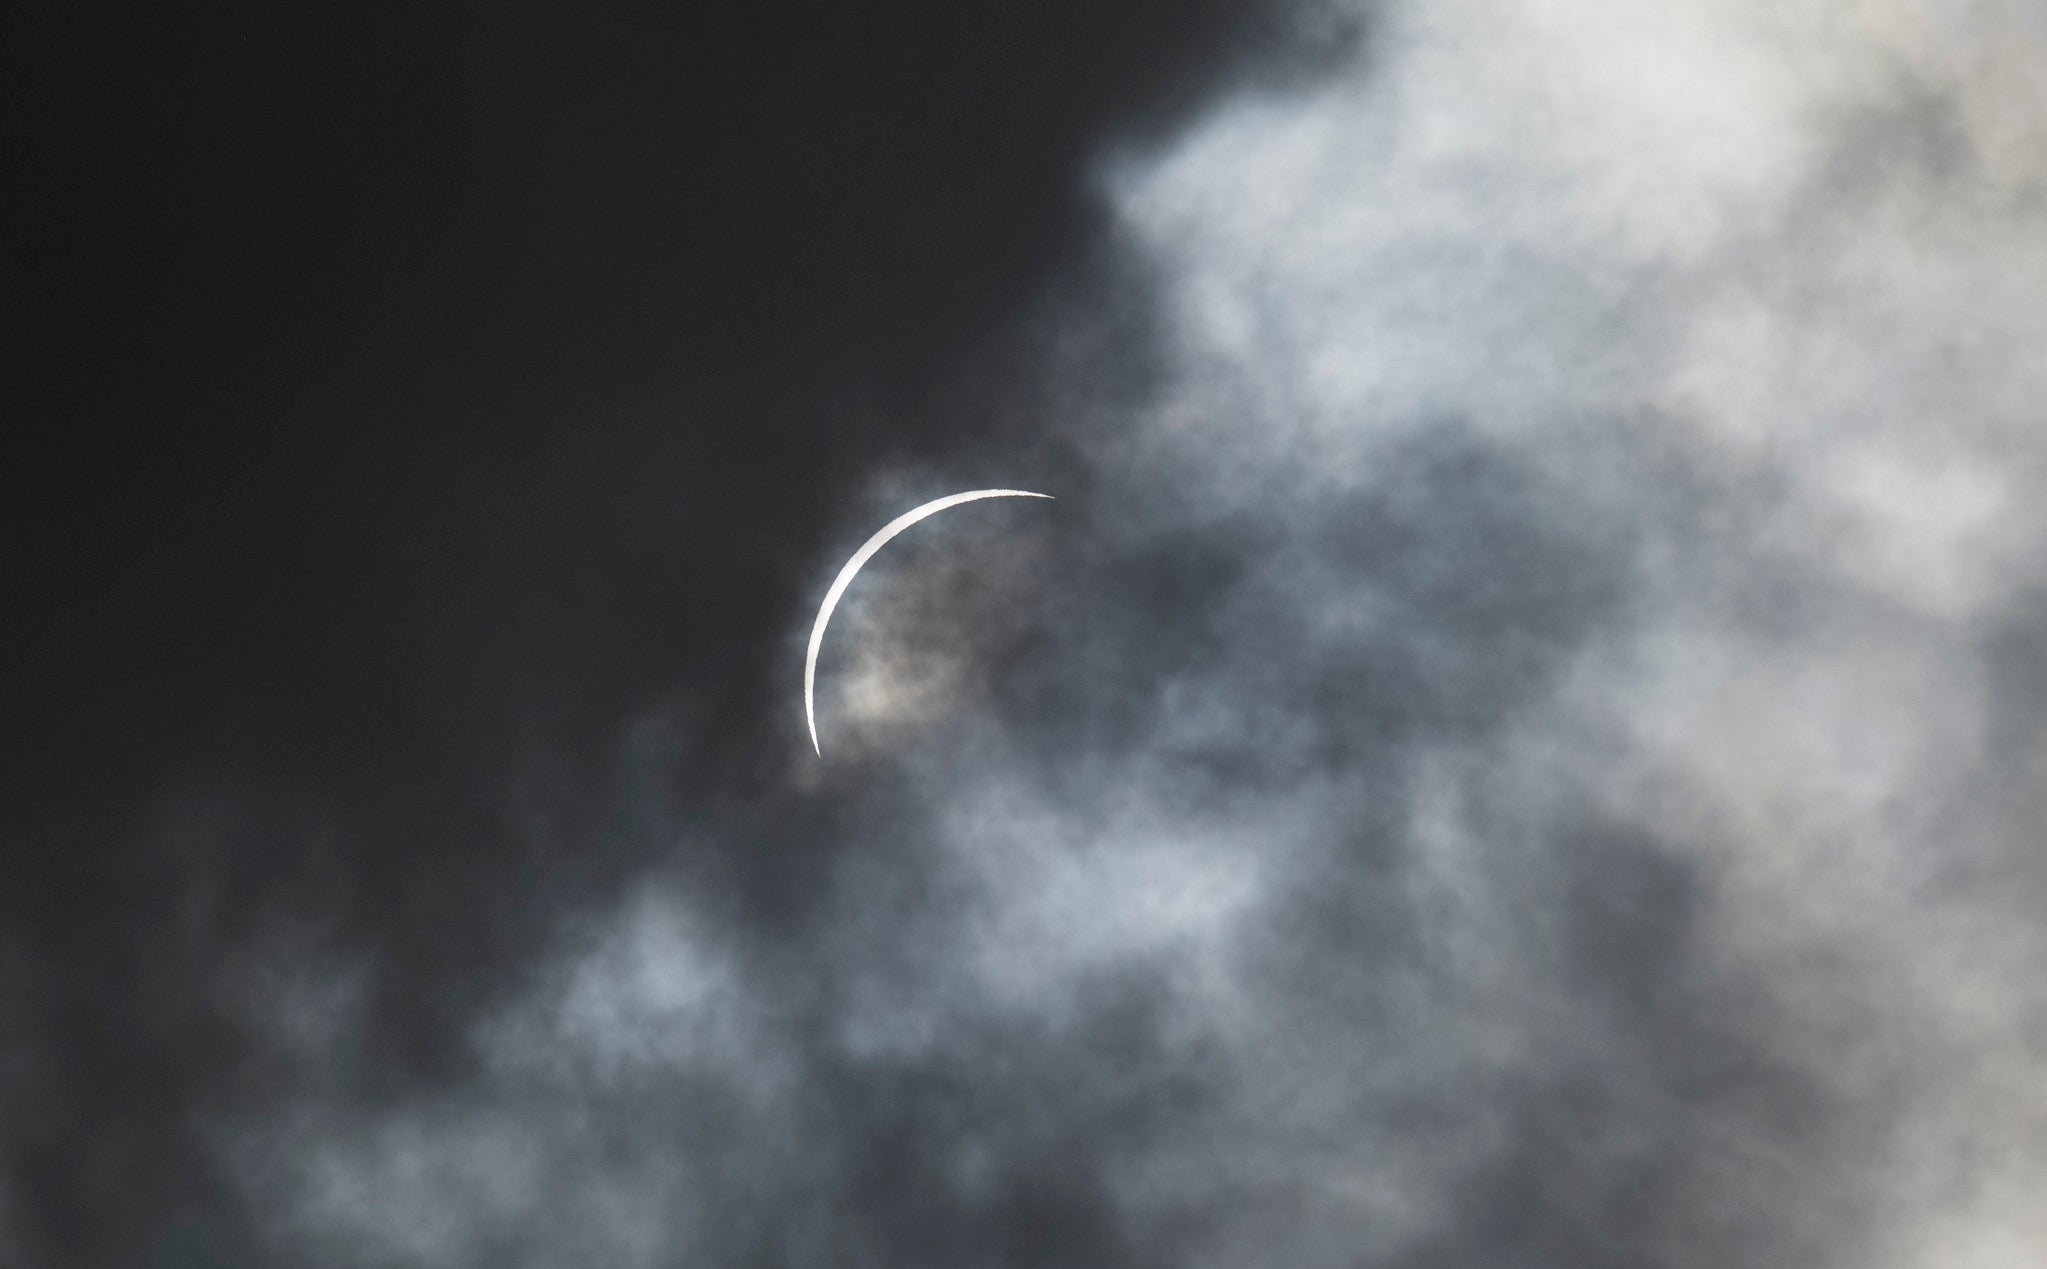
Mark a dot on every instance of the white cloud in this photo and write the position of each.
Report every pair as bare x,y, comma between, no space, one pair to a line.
1514,703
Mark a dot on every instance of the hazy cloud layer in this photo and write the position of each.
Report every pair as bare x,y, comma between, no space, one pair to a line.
1520,743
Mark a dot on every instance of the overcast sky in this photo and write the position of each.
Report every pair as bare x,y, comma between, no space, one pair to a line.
1522,740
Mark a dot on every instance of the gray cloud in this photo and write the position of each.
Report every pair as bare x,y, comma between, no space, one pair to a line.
1521,746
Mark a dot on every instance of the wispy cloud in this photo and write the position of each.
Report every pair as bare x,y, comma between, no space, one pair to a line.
1525,749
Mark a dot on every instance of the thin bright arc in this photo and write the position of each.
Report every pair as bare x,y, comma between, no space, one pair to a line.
860,557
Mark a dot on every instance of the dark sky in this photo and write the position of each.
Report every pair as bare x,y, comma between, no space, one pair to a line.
404,386
1519,743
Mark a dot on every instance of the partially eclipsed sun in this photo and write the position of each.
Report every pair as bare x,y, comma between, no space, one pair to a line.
860,557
